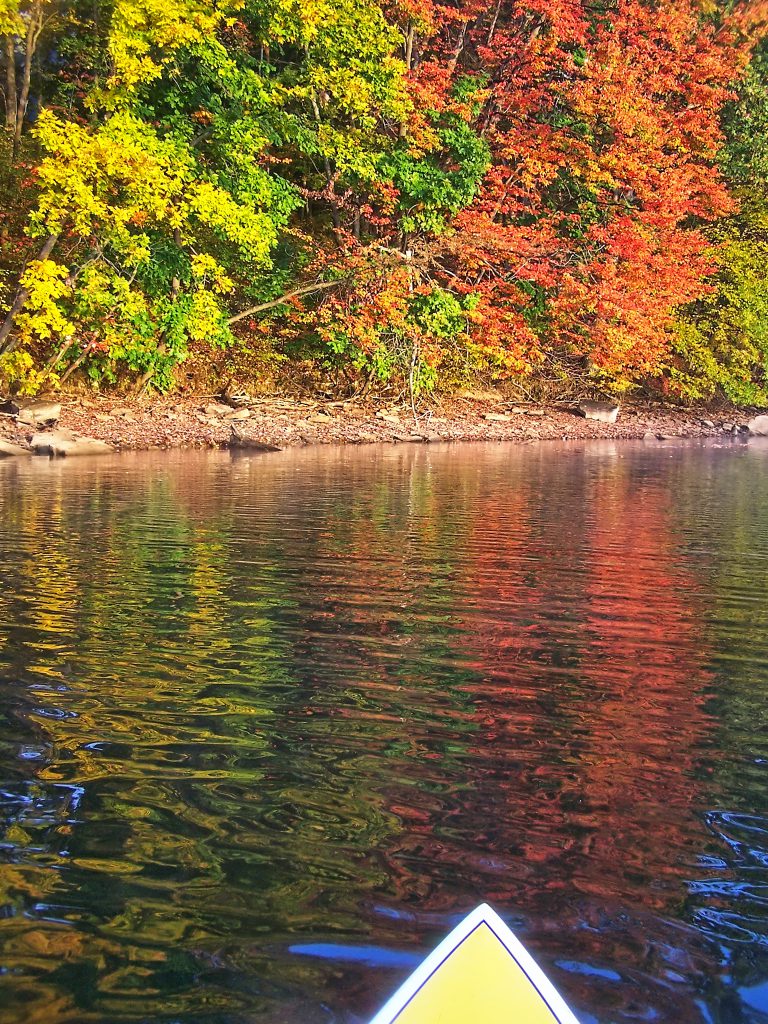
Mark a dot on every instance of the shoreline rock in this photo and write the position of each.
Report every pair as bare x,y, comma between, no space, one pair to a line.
61,442
8,449
604,412
244,442
36,412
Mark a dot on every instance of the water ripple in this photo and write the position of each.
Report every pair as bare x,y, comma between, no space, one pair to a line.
268,728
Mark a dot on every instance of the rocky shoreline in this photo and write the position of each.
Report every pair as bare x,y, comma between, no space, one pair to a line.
270,423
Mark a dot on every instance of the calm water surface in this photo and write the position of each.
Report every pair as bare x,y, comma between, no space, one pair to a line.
270,725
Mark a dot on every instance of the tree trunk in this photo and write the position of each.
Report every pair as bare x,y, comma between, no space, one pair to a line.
408,64
10,83
33,36
162,348
78,362
459,47
8,344
176,283
494,21
328,172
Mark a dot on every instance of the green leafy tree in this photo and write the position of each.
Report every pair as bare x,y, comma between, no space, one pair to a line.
722,340
146,224
170,211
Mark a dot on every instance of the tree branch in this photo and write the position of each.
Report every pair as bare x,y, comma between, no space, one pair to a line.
22,295
295,294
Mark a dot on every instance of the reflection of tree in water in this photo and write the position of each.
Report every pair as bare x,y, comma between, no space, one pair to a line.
209,804
646,666
591,731
344,698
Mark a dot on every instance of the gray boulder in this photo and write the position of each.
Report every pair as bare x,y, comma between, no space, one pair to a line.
36,411
8,449
759,426
217,409
65,442
606,412
242,442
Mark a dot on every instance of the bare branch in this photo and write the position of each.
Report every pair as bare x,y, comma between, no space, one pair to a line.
295,294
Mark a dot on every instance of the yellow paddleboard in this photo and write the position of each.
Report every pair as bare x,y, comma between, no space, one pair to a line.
479,974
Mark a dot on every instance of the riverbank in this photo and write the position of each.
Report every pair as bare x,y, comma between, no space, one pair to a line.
208,422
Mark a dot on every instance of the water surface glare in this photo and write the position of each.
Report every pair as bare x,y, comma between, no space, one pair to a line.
270,725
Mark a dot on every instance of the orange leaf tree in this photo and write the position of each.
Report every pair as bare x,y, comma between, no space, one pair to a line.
552,178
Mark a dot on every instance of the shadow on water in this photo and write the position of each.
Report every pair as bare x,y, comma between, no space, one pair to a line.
271,725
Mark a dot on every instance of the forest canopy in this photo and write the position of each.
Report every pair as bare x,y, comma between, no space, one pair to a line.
412,192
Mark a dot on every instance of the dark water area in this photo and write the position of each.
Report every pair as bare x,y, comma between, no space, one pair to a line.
270,725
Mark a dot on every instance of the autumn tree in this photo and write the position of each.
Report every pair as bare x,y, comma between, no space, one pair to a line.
409,191
722,339
545,200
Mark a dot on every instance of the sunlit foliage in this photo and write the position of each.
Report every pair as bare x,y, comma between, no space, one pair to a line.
723,338
405,191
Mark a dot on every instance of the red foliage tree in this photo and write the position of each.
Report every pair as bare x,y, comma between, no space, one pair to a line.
602,125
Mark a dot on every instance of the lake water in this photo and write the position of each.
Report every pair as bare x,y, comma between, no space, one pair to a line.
270,725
